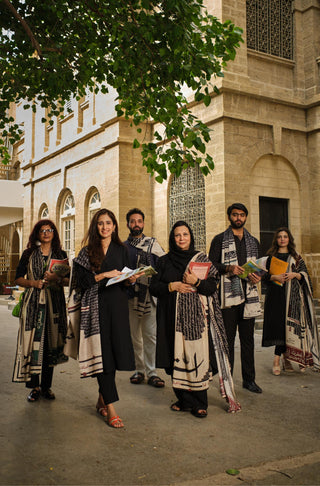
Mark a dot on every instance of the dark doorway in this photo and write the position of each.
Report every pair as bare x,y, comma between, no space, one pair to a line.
273,214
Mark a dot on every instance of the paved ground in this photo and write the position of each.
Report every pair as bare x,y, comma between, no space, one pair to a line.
275,440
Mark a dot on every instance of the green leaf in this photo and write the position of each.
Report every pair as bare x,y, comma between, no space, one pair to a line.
136,144
233,472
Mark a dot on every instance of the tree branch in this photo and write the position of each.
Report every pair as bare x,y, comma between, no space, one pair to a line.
25,26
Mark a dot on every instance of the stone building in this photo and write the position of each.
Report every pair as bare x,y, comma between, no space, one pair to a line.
265,144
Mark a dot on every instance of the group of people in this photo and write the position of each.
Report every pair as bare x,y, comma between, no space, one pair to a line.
175,320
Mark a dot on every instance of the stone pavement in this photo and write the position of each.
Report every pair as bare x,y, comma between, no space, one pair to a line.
275,440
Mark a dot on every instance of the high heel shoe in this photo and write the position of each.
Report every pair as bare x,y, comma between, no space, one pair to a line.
287,366
276,368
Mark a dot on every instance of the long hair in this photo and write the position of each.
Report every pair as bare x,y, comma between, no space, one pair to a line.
93,239
275,247
172,241
33,242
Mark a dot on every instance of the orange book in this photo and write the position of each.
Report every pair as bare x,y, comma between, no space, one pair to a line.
277,267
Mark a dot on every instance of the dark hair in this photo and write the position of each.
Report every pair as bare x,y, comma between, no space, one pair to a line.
239,206
172,241
93,238
291,245
134,211
34,236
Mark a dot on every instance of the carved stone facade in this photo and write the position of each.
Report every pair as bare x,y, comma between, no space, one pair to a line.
265,142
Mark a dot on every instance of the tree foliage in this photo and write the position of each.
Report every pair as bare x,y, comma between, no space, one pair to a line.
148,50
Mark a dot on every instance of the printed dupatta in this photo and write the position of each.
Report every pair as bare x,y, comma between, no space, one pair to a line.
195,315
302,337
41,308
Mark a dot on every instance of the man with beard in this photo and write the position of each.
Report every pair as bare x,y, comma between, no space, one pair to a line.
239,297
143,251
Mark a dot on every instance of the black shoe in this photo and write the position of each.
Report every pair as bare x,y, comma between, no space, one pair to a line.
252,386
34,395
48,394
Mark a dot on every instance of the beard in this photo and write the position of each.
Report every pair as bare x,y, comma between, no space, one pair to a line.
136,231
237,224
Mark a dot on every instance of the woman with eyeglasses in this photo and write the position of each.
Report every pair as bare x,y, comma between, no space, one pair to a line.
43,322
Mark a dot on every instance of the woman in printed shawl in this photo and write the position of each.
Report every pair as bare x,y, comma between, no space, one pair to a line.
105,341
191,340
289,317
43,323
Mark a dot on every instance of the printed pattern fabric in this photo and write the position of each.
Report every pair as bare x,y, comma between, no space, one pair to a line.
43,310
231,288
146,249
302,337
196,316
90,354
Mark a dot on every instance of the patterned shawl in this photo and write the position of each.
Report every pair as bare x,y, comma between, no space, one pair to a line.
231,288
41,308
90,353
148,251
302,338
195,315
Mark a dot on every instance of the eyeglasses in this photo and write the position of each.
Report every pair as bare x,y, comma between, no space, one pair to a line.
44,231
238,215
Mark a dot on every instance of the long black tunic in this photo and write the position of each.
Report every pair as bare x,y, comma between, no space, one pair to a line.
274,333
116,344
166,310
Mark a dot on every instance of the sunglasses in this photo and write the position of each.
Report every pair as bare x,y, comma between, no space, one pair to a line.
44,231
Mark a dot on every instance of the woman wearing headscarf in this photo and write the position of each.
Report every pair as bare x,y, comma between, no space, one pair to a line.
191,340
43,321
289,317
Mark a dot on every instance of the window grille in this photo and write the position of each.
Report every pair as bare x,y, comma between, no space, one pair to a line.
270,27
187,202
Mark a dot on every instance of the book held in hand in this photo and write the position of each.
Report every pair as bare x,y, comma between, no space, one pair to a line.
200,269
277,267
60,267
257,267
127,273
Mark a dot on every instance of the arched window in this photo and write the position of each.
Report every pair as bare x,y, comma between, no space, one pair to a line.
67,225
44,212
187,202
94,205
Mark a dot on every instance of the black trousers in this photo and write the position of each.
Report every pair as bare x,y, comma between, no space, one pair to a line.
280,349
107,387
196,400
46,371
233,319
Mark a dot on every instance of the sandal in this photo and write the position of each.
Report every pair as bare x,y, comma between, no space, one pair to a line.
115,422
176,407
156,382
34,395
200,412
276,368
137,378
103,411
101,407
48,394
287,366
